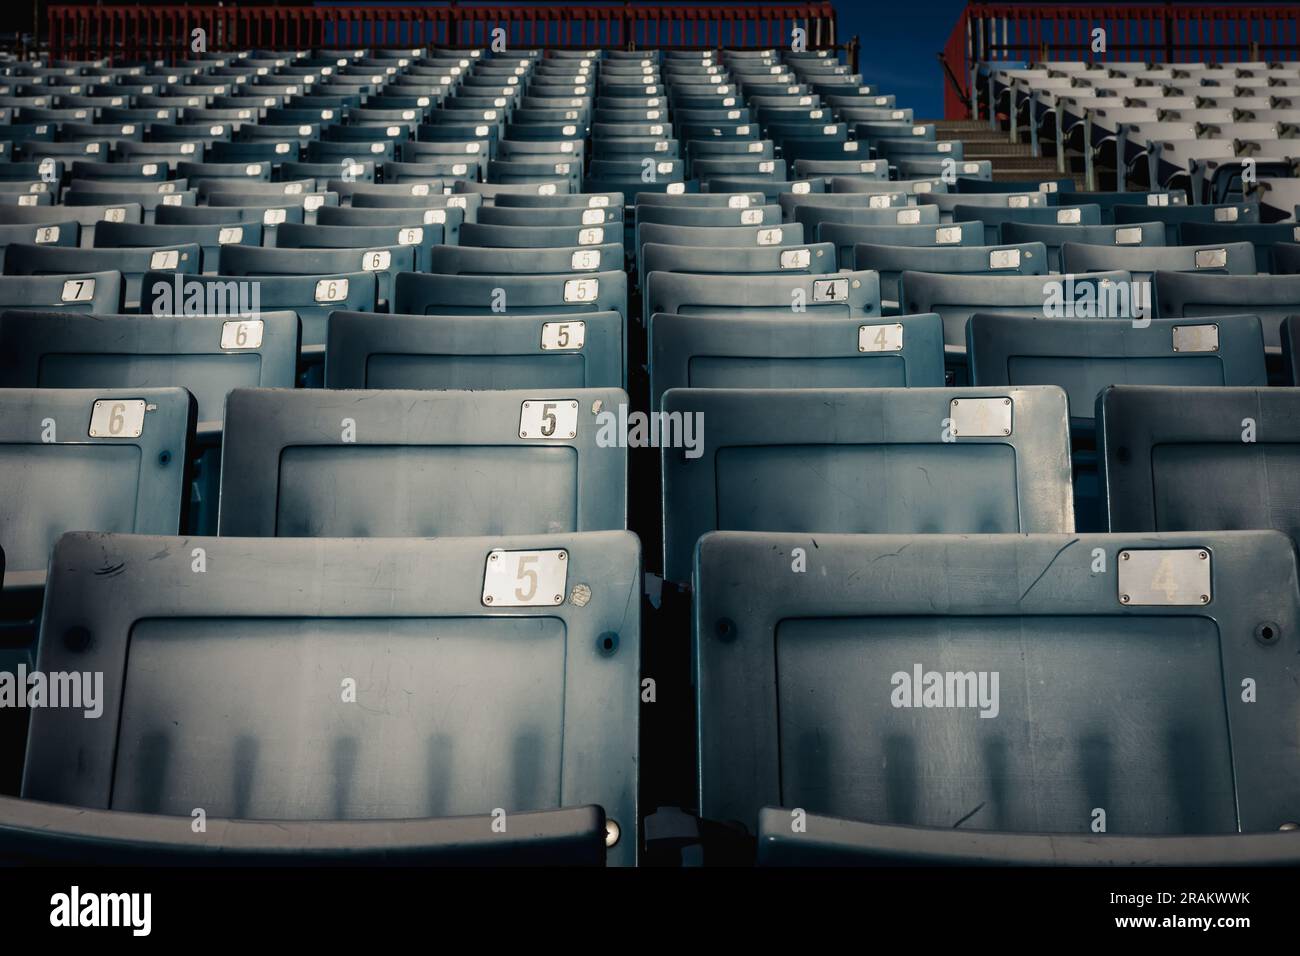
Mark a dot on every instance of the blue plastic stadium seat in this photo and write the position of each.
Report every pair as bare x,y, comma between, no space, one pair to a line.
1176,459
1272,298
958,297
1232,258
209,356
367,350
100,458
720,351
82,292
553,677
881,460
1023,259
397,463
1084,356
825,841
1012,684
48,260
103,458
1054,236
839,294
311,297
36,833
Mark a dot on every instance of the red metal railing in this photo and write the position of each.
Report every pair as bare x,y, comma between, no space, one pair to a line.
1155,32
137,32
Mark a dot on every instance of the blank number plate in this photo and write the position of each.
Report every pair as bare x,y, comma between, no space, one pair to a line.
1196,338
1168,577
980,417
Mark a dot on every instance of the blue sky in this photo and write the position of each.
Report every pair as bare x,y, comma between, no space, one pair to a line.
899,43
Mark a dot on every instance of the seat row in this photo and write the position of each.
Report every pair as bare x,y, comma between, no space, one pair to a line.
1023,693
1218,129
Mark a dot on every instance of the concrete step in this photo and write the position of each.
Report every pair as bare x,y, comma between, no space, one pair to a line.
974,126
976,140
1024,162
981,133
1012,162
978,152
1004,174
1031,175
1029,169
994,150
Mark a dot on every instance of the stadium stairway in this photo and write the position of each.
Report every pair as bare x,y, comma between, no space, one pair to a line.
1012,162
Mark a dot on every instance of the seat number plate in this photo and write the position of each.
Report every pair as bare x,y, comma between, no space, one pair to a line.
242,335
525,578
541,419
581,290
1164,577
563,336
78,290
880,338
331,290
376,260
112,418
